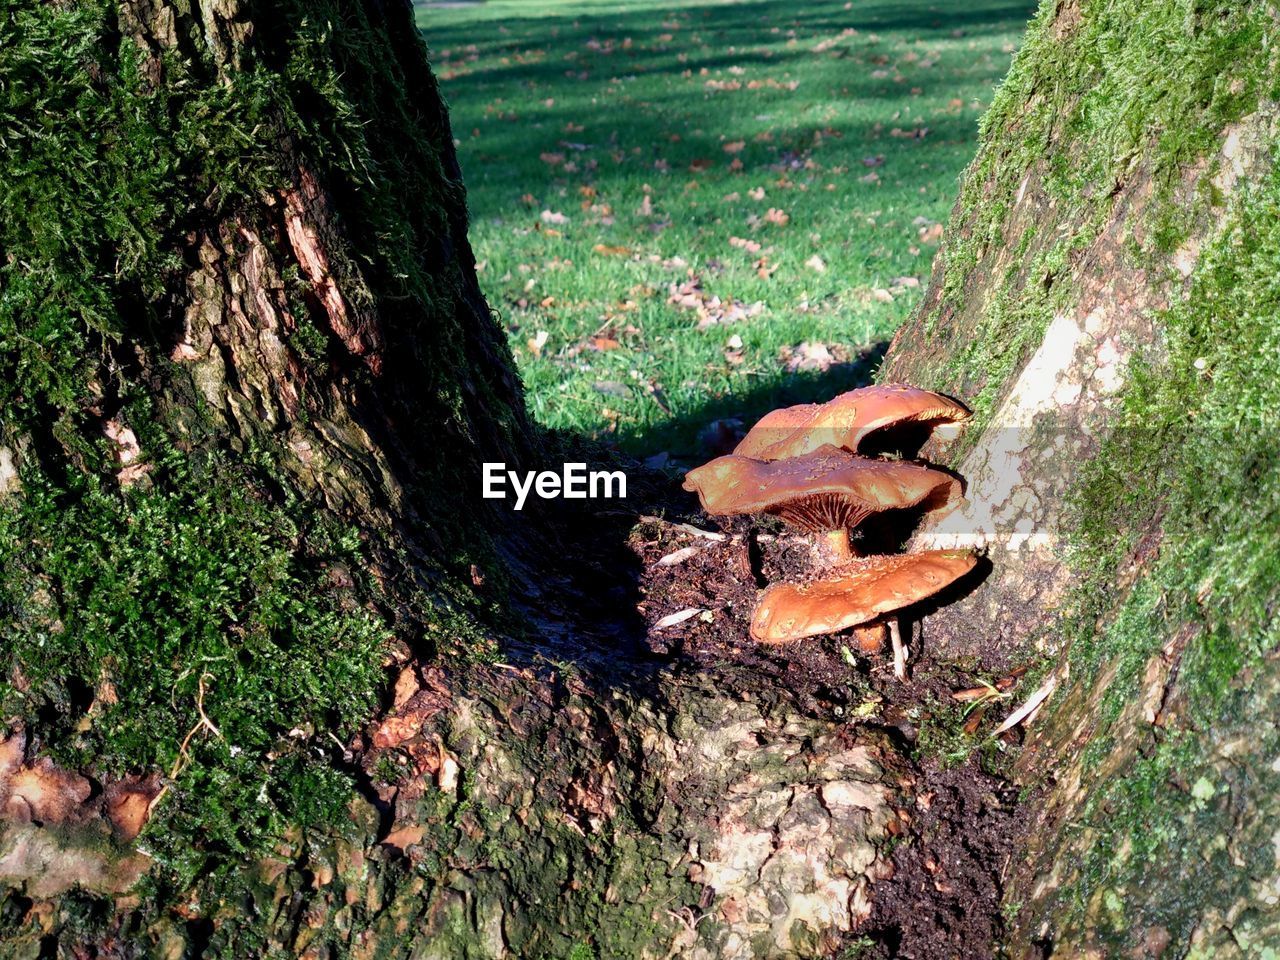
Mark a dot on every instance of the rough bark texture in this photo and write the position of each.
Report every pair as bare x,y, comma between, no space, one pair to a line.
277,322
309,326
1101,302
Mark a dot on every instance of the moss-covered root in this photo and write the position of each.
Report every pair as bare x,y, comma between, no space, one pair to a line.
246,378
544,816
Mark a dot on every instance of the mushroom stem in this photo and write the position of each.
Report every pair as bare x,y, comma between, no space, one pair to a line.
838,541
899,651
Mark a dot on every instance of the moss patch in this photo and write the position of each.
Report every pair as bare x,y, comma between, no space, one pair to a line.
130,616
1089,103
1192,454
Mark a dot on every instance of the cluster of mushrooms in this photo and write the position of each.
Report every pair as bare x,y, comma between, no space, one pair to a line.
808,465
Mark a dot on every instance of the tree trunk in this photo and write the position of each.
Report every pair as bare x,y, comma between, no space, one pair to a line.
1105,304
251,384
256,609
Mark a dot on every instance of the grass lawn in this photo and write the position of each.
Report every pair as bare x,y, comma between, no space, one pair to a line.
687,210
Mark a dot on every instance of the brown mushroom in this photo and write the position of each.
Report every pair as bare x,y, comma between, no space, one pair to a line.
846,420
866,595
827,491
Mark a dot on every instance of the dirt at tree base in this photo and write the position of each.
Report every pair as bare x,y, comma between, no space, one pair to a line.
965,824
944,899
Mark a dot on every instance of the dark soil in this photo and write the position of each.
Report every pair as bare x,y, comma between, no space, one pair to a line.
944,900
663,557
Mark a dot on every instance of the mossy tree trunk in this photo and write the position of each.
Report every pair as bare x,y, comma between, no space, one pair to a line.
247,381
1106,302
250,587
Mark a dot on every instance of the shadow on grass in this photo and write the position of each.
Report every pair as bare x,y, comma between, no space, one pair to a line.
732,34
690,438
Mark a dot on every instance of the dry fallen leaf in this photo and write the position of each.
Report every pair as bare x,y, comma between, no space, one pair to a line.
711,310
735,146
778,217
812,356
406,686
1032,705
973,693
816,263
931,233
678,556
552,216
733,352
404,837
395,730
680,616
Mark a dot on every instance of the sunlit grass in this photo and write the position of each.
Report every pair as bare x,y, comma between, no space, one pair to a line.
789,159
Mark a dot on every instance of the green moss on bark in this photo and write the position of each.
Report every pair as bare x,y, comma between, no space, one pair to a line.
1090,102
1192,461
218,587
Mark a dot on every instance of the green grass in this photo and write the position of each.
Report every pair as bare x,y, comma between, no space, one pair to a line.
717,113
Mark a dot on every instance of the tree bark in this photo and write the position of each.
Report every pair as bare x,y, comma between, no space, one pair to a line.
291,303
1084,262
313,321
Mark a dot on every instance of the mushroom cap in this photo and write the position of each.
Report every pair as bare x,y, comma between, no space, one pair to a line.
827,489
845,421
864,591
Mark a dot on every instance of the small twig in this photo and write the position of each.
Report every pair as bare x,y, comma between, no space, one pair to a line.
204,723
687,528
